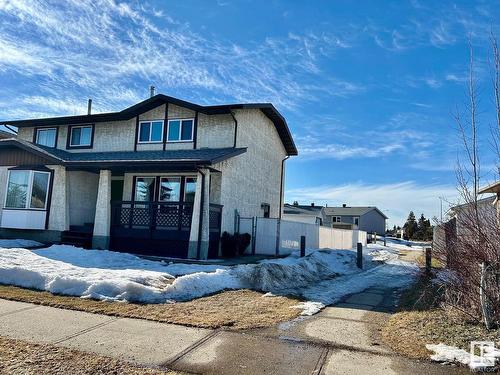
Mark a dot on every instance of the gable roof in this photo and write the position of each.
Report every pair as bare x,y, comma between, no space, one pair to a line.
126,114
351,211
302,210
202,156
493,188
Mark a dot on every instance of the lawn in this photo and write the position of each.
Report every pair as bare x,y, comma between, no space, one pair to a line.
22,357
240,309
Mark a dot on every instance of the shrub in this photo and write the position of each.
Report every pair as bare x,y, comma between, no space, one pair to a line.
234,244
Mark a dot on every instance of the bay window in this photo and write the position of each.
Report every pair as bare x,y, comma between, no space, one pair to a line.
170,189
27,189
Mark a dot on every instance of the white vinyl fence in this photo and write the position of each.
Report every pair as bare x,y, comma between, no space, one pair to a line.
281,237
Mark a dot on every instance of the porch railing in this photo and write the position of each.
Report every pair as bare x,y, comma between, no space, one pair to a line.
152,215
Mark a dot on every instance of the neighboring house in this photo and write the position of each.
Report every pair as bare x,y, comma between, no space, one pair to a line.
163,177
6,135
495,189
368,219
302,213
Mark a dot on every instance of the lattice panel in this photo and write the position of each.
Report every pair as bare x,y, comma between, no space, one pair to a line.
187,214
214,219
168,217
141,216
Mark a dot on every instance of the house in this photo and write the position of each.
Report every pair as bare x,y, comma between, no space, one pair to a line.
163,177
311,214
495,189
4,134
368,219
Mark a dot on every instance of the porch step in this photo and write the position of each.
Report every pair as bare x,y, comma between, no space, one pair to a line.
77,238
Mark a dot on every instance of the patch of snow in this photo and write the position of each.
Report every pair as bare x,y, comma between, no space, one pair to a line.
7,244
322,277
309,308
450,354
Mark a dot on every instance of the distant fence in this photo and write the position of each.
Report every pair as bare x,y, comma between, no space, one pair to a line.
281,237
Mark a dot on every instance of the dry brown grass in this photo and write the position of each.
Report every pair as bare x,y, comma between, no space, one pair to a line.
240,309
408,332
22,357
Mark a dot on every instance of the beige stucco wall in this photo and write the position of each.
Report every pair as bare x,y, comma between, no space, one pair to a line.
59,205
253,178
82,197
215,131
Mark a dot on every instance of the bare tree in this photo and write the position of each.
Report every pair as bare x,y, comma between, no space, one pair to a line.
471,249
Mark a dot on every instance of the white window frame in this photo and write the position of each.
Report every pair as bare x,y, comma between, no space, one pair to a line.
71,136
28,192
150,131
39,129
180,130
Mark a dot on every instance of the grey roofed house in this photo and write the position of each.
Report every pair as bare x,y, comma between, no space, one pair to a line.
311,214
5,134
163,177
369,219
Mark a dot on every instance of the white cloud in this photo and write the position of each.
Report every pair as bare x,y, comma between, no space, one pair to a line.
396,200
103,48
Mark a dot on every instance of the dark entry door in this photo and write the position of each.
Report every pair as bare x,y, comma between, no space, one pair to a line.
116,190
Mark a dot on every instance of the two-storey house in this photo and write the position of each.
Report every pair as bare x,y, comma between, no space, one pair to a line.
163,177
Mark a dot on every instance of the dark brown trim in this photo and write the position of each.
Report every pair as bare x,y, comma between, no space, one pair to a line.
281,185
136,140
68,137
134,181
35,131
235,128
165,127
38,168
195,130
49,198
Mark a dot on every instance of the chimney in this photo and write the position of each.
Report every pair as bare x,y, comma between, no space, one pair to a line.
312,204
152,91
89,107
344,205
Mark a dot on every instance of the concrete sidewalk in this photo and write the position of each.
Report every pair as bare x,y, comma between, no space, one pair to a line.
340,340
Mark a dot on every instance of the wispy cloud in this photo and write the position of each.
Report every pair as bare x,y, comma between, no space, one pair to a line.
111,51
396,199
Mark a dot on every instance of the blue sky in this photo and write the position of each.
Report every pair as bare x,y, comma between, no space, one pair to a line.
368,88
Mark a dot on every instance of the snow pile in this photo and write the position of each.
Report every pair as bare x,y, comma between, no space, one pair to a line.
19,243
450,354
321,277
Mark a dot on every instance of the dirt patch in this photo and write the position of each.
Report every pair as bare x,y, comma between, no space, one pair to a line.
240,309
409,332
22,357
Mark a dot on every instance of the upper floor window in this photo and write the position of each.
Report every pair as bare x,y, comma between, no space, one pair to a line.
27,189
80,136
150,131
46,137
180,130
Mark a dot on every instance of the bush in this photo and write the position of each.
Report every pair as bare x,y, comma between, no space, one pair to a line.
234,244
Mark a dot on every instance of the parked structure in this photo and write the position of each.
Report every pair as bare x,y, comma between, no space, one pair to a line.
162,177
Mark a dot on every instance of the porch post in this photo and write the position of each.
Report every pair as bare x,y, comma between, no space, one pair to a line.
102,222
59,205
198,241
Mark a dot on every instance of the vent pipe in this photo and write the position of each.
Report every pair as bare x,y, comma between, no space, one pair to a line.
152,91
89,107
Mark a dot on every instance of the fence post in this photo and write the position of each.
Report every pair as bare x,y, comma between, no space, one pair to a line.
302,246
278,229
375,234
428,260
385,240
359,258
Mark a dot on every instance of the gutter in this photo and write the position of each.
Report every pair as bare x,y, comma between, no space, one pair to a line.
281,184
200,220
235,128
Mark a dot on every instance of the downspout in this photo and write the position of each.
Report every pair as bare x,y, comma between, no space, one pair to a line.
200,221
281,183
235,127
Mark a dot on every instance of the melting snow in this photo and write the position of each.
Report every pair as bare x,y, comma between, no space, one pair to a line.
321,278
